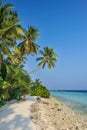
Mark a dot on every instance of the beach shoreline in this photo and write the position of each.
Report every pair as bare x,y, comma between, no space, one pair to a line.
52,114
71,107
43,114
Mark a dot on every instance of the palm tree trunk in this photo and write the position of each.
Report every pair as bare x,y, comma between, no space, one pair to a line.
33,71
24,97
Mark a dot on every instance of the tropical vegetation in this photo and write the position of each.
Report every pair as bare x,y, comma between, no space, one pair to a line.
16,43
38,89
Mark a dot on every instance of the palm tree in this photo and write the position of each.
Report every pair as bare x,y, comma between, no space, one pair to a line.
38,82
10,31
9,20
28,46
48,57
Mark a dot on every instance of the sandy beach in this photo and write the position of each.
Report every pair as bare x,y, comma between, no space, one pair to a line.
51,114
47,114
15,115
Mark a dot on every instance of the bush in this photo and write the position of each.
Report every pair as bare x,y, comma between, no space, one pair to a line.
3,91
41,91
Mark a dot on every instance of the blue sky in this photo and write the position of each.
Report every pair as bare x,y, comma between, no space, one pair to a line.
63,26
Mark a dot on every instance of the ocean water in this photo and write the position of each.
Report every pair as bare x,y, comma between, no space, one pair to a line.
77,100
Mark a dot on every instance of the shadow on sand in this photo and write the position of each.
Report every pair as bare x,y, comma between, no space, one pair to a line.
9,120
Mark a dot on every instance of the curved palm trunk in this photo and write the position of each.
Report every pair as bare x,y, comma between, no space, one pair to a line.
33,71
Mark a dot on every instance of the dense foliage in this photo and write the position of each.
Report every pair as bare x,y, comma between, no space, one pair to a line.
38,89
19,82
16,84
41,91
16,43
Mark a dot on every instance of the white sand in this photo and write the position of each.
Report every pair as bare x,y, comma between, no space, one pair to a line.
16,115
49,114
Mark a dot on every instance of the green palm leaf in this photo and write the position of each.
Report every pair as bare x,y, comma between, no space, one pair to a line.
7,8
20,30
28,46
48,57
40,58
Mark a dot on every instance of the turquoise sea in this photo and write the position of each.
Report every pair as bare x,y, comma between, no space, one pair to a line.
76,99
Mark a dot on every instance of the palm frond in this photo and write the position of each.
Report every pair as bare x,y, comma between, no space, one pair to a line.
49,66
6,29
43,65
52,63
40,64
33,33
6,51
6,8
17,51
40,58
41,52
48,57
19,30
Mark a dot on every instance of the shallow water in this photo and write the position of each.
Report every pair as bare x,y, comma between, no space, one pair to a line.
77,100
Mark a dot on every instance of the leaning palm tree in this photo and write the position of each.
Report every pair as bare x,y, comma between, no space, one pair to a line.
48,57
28,46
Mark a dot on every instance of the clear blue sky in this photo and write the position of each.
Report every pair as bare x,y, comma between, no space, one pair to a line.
63,26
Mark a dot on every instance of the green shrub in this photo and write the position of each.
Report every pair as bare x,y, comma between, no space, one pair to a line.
3,91
40,90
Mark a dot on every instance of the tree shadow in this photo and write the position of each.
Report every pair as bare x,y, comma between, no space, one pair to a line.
17,123
9,120
5,111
